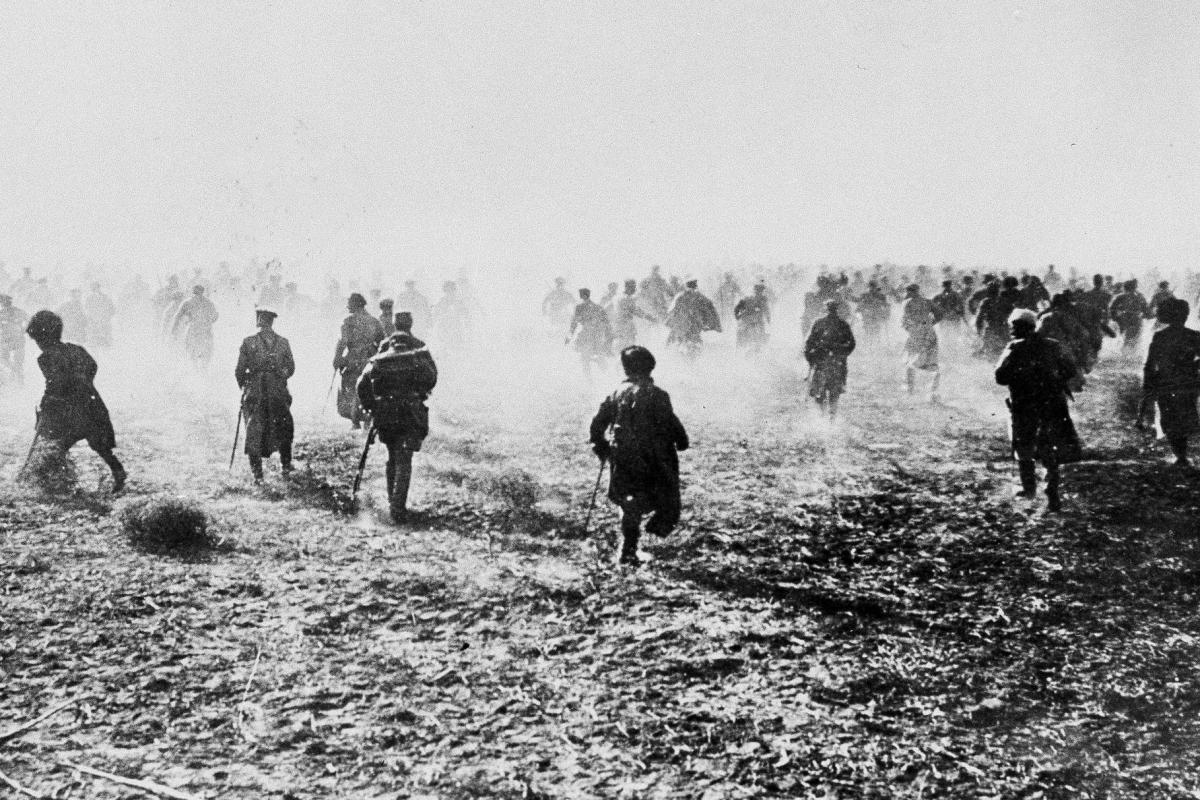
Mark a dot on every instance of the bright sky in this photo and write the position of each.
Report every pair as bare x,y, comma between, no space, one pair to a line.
592,138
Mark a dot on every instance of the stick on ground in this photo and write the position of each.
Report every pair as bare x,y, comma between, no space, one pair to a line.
4,737
19,788
145,786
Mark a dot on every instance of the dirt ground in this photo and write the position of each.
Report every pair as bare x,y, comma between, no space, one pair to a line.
858,609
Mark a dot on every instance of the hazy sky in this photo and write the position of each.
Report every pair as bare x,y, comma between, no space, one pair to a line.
591,138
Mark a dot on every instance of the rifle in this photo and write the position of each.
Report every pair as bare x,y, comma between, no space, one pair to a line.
37,435
328,394
362,461
587,523
237,429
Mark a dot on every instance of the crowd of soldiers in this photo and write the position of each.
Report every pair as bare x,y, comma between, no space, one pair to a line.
1045,331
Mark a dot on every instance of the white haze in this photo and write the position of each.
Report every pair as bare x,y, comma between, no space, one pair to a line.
524,140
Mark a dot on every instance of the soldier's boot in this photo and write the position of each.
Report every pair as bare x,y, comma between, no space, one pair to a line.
631,525
1053,501
285,459
391,481
1179,446
118,470
1028,472
910,380
256,468
398,502
833,404
933,390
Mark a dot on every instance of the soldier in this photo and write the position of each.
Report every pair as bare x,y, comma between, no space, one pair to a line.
272,295
1064,323
1164,292
594,342
71,409
729,294
656,292
394,387
1038,373
1171,378
753,314
199,315
628,311
263,367
949,307
691,314
414,303
556,306
387,316
643,454
74,319
609,301
921,348
361,335
828,346
1034,294
450,317
1128,309
1097,297
875,310
99,310
12,337
991,323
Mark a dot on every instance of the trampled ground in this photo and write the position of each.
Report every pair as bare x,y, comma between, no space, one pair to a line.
858,610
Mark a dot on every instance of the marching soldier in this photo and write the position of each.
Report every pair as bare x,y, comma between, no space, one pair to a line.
627,312
753,315
387,316
828,346
71,409
361,335
199,315
393,387
1172,377
594,339
264,365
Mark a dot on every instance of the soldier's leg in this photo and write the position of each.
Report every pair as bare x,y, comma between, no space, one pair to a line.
390,471
114,464
256,468
1179,446
1028,472
631,525
1053,502
402,479
910,379
285,457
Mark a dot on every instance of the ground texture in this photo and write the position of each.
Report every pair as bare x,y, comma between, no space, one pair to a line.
849,610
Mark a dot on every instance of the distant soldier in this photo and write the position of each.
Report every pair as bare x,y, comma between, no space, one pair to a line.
360,338
1034,295
875,310
394,387
691,314
197,315
1097,297
99,310
753,315
417,304
1128,310
628,311
12,337
166,302
557,305
1063,323
609,301
1038,373
593,341
23,286
451,317
74,318
921,348
1171,376
829,344
949,307
387,316
1164,292
273,294
729,294
264,365
991,323
71,409
656,293
642,454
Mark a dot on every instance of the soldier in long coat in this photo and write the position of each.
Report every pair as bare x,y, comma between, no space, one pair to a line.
12,337
71,409
643,453
394,387
628,311
829,344
753,315
361,335
918,318
199,315
1038,373
592,333
1172,376
1129,309
264,366
691,314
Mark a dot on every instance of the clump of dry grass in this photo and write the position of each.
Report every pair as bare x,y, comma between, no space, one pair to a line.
169,527
513,488
50,469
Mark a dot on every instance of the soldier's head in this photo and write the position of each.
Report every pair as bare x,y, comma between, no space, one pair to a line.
1010,282
912,290
1173,311
968,280
265,316
1023,322
637,361
947,285
76,294
403,321
1061,300
410,285
585,294
1164,285
832,308
197,290
691,283
760,288
449,287
356,302
631,287
45,327
1098,281
1129,286
560,282
291,287
5,301
386,305
654,270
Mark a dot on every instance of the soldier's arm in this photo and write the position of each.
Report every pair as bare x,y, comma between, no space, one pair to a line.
849,343
288,367
366,397
678,434
601,422
1004,370
242,370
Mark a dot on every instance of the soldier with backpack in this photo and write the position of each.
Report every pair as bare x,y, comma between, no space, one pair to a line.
393,387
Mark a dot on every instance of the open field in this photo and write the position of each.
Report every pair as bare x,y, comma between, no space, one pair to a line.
848,610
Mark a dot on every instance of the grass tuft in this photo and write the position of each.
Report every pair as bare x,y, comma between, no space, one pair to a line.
168,527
